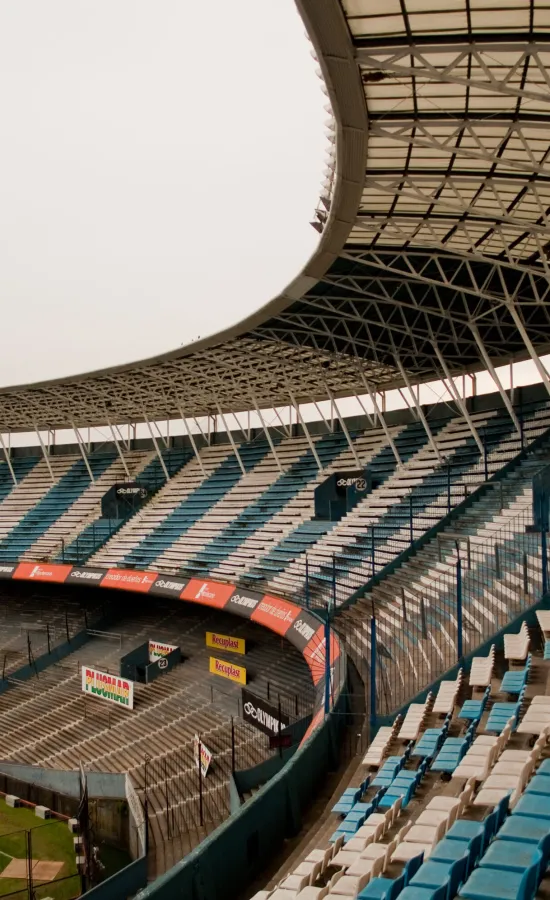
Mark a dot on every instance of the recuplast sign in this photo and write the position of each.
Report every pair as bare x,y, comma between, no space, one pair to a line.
227,670
227,642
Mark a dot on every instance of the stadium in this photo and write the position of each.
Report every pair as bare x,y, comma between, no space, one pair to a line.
285,633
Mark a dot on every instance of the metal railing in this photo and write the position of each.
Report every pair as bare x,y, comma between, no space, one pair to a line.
459,592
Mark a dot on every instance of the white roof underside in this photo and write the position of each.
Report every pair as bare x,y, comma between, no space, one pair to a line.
437,234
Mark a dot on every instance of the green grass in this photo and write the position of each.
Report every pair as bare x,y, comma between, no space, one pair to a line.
49,840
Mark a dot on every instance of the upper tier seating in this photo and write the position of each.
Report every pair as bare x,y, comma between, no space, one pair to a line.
95,530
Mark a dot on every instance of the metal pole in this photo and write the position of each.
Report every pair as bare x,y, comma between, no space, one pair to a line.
232,745
419,410
231,440
423,616
530,349
454,393
45,454
307,582
8,460
156,446
494,376
373,651
306,432
485,461
200,780
460,651
82,451
448,487
372,550
544,560
333,581
344,428
119,451
48,638
327,661
267,434
279,727
192,440
411,519
381,419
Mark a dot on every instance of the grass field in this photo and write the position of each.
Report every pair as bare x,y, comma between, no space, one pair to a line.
51,840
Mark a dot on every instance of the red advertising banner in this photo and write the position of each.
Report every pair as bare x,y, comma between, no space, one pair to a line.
275,614
129,580
209,593
42,572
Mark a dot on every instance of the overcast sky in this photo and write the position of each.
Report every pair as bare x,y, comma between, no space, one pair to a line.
160,162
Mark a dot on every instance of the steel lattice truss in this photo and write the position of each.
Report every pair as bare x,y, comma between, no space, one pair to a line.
435,249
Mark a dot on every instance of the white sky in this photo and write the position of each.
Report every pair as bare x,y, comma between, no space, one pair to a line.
161,160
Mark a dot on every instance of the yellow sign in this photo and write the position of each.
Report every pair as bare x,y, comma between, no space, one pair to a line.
227,670
225,642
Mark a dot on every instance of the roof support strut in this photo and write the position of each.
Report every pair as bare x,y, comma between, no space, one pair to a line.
419,410
192,441
267,434
485,357
8,460
344,429
231,440
530,349
45,454
381,419
156,446
83,452
461,405
306,431
119,450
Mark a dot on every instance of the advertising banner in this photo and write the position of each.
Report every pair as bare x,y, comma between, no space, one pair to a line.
206,756
169,586
225,642
108,687
263,715
227,670
129,580
7,571
42,572
85,576
209,593
275,614
243,603
302,630
158,650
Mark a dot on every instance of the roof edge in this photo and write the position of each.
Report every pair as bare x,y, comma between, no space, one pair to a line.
328,31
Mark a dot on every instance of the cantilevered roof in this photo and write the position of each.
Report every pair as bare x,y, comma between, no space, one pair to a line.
433,255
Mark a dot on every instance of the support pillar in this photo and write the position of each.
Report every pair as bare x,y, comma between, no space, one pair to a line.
306,432
156,446
381,419
8,460
494,376
192,440
119,451
45,454
454,393
344,428
231,440
419,410
268,436
83,452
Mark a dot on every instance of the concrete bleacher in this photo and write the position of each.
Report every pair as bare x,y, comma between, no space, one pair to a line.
48,721
460,810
